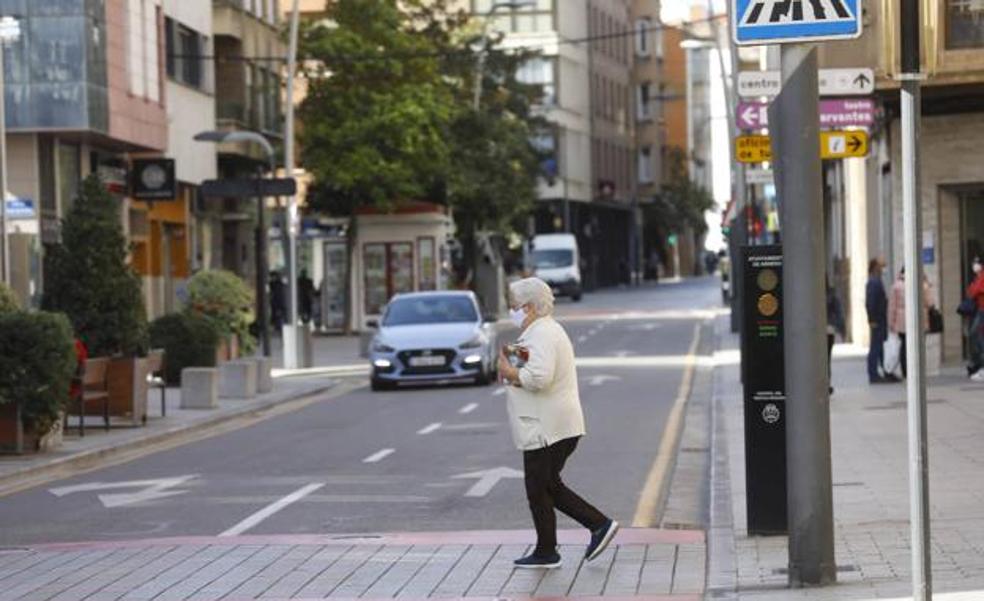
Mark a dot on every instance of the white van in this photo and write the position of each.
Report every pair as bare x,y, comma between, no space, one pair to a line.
554,258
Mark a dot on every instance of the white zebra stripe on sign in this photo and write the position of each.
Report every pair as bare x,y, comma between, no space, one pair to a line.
779,12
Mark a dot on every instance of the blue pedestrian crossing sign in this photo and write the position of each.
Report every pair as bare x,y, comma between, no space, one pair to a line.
757,22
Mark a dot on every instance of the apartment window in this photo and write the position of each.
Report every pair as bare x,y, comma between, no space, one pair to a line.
656,35
643,101
964,24
185,54
541,71
537,17
646,165
642,39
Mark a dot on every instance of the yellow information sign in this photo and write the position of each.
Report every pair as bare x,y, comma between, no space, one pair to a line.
833,145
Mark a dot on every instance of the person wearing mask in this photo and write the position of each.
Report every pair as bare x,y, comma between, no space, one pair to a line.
896,312
547,422
975,334
876,304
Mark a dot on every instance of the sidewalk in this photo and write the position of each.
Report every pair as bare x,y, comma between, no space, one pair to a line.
79,453
870,475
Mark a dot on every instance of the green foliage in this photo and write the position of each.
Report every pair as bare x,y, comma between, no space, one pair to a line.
87,277
8,300
188,340
37,362
223,298
680,205
374,128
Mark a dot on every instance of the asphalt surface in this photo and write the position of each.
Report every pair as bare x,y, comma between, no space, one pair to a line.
376,462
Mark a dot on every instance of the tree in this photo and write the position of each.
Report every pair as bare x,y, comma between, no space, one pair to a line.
681,203
87,276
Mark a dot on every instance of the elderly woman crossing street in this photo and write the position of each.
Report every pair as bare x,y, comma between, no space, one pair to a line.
547,421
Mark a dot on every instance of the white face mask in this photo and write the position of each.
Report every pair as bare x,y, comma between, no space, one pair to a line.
518,316
977,267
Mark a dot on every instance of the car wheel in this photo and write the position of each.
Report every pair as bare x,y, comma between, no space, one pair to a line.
484,377
378,385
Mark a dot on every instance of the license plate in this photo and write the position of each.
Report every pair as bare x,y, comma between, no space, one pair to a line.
425,361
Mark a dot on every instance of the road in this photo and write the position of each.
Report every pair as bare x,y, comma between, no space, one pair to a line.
425,459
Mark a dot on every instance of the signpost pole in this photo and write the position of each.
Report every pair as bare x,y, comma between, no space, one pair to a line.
795,118
3,178
922,587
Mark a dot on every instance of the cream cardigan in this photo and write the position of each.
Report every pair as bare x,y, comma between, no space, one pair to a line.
546,407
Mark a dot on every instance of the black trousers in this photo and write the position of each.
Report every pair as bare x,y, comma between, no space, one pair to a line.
546,491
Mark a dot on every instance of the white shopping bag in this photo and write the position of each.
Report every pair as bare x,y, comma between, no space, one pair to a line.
893,352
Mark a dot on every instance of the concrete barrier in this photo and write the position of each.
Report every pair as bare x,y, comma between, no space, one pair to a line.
237,379
199,388
264,379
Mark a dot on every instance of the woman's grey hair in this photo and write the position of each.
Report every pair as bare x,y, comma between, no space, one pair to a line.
533,291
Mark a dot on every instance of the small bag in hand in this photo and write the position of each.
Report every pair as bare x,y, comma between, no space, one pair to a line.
893,353
935,320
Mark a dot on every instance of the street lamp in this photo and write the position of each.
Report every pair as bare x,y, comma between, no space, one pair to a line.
290,329
480,66
220,137
9,32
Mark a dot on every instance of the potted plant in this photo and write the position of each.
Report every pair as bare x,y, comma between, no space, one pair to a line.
188,340
223,298
37,362
88,278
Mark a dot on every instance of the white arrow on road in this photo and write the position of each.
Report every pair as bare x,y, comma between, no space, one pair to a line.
487,479
151,490
600,380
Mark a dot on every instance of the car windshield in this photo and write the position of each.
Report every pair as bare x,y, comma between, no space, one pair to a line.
553,258
430,309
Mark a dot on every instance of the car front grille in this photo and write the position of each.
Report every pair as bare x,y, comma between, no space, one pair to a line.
420,370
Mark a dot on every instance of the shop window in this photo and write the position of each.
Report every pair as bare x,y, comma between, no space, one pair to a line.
388,269
427,263
964,24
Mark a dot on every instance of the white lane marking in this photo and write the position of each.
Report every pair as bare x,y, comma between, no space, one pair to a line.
582,338
378,456
150,490
431,428
499,391
600,379
271,509
468,408
487,479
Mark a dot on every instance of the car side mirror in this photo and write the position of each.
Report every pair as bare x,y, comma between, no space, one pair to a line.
372,323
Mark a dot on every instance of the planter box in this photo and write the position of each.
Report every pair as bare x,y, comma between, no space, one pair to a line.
32,441
126,380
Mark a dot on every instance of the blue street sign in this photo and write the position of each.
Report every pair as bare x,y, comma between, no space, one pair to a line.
20,208
756,22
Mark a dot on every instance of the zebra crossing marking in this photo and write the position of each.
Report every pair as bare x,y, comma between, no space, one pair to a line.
775,21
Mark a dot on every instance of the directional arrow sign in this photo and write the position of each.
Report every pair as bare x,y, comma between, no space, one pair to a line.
151,490
833,145
600,380
487,479
833,82
834,113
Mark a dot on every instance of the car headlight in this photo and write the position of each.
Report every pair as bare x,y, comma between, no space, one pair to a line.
476,342
379,347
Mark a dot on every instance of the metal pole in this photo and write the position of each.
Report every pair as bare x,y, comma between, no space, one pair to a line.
480,64
796,132
290,329
922,586
5,246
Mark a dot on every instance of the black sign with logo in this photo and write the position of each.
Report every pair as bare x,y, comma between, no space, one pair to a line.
153,179
765,391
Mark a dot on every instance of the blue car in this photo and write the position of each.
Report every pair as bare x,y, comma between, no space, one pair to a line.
433,337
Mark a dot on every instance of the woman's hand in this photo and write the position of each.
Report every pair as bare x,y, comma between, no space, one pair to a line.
506,370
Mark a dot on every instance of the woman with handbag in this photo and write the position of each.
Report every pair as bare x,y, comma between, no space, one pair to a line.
896,312
975,334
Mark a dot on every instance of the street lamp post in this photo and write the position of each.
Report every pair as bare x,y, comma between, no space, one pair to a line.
480,64
9,32
262,303
291,327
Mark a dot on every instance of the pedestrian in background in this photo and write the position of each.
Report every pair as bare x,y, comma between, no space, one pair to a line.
896,312
305,295
975,334
835,326
876,304
278,302
547,421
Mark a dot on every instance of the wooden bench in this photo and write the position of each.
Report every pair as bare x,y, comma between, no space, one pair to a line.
155,377
93,389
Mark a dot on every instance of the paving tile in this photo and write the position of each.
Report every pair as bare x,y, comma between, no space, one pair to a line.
461,578
324,570
440,562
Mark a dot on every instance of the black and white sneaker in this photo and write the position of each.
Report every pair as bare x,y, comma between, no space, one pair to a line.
538,561
600,539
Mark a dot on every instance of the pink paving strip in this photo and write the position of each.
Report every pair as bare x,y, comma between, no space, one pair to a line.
684,597
626,536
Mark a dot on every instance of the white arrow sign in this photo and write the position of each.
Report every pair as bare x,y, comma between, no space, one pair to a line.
487,479
600,380
152,490
833,82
